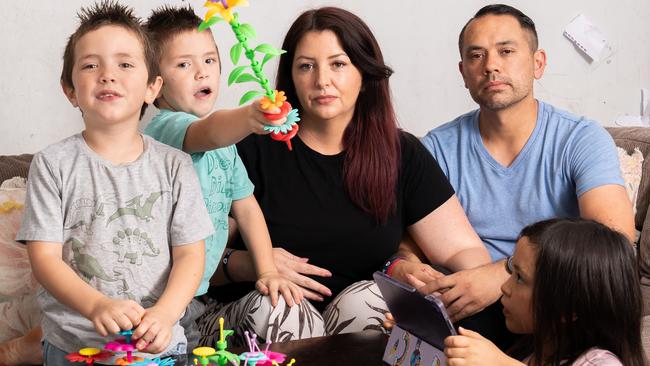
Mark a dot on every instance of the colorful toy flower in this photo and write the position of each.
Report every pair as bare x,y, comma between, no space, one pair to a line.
223,8
253,72
121,345
204,351
267,103
124,361
272,357
89,355
155,362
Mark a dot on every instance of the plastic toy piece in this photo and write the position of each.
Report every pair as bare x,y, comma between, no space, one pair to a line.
221,356
127,335
272,357
88,355
155,362
244,33
121,345
287,131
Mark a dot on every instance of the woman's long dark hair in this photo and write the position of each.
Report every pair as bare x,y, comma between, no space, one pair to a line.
371,140
586,292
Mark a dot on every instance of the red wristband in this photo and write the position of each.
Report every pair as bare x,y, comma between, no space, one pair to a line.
390,268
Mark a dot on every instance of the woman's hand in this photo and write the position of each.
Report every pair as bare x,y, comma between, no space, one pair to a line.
296,269
470,348
421,271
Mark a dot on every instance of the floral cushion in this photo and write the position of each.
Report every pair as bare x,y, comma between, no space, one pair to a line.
19,311
631,170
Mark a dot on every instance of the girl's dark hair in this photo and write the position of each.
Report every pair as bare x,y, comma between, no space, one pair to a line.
586,292
371,140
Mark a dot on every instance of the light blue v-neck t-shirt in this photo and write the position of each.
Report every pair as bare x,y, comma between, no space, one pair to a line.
564,157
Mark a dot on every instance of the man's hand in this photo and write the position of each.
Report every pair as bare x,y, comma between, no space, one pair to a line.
470,348
296,270
466,292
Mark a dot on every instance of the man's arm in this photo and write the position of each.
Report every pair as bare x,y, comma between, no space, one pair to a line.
609,205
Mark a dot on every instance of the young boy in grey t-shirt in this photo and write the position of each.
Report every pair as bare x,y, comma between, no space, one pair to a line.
114,220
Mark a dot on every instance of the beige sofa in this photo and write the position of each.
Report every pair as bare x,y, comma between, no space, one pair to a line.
628,138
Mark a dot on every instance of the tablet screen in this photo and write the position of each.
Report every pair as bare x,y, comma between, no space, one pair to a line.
423,316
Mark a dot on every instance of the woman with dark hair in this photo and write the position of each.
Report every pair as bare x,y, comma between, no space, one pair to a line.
338,205
574,290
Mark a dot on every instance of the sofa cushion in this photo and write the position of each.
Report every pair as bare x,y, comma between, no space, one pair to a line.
631,138
631,169
19,311
14,166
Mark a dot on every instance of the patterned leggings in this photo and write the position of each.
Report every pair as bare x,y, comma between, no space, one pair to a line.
359,307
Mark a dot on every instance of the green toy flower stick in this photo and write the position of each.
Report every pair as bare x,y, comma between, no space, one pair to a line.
271,99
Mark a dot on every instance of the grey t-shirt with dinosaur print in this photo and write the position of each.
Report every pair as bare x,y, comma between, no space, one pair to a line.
117,224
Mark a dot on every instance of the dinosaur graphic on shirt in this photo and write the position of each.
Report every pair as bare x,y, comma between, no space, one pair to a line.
131,283
87,266
137,209
131,245
82,214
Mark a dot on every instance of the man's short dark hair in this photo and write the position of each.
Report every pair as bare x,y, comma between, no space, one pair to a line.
500,9
104,13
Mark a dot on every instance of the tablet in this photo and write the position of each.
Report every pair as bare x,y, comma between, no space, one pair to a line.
423,316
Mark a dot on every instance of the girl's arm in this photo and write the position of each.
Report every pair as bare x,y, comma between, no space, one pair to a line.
108,315
471,349
155,331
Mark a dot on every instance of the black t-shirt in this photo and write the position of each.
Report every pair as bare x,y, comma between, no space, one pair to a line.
309,214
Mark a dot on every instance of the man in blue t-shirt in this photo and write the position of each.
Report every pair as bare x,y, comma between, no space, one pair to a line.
516,160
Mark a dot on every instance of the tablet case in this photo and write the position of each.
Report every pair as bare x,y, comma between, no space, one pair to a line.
422,324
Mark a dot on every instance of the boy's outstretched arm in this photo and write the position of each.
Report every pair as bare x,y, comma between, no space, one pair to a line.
226,127
155,330
108,315
252,226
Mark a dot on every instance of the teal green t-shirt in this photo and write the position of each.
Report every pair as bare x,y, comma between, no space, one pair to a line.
222,176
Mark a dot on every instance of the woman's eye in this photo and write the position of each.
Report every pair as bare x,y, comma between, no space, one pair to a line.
519,279
210,61
126,65
305,67
339,64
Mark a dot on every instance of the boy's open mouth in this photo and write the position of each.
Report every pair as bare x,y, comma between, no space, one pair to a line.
203,92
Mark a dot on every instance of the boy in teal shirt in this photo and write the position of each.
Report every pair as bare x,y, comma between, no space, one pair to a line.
190,67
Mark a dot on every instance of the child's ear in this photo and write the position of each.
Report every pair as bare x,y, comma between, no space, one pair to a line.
70,94
153,90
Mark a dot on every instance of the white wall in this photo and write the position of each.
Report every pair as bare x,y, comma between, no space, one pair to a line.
418,39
